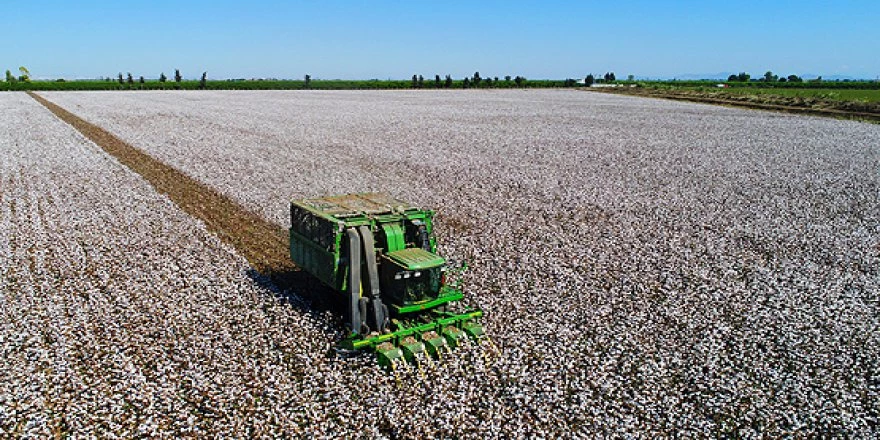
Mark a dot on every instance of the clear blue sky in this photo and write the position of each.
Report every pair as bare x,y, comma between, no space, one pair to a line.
361,39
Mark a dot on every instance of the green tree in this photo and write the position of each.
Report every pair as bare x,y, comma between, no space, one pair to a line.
415,81
203,83
437,82
177,78
9,77
162,77
743,77
448,82
732,78
782,79
794,78
519,81
466,83
770,77
25,74
141,80
477,79
589,80
121,79
421,81
630,78
308,81
130,79
507,78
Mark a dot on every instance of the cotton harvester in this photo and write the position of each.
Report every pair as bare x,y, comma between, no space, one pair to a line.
379,255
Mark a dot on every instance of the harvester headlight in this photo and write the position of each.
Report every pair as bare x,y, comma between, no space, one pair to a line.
398,275
407,274
417,274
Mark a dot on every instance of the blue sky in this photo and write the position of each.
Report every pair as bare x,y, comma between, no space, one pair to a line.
361,39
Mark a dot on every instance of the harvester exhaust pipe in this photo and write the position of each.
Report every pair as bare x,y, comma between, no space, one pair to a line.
354,279
423,235
378,309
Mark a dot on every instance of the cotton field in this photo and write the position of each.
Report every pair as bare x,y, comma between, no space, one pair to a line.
647,268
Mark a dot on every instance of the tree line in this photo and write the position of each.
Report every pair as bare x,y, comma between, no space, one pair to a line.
178,78
768,78
129,80
24,75
475,81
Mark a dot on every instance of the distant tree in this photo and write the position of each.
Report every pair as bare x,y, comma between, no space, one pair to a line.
743,77
162,77
437,81
630,78
732,78
589,80
25,74
770,77
203,83
142,81
794,78
569,82
415,81
448,82
421,81
177,77
507,78
466,83
121,79
782,79
130,79
519,81
9,77
477,79
308,80
613,78
488,82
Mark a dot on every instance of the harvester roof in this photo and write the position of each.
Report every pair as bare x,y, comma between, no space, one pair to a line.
351,205
416,258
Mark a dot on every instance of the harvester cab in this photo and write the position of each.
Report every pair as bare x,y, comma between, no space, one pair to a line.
379,255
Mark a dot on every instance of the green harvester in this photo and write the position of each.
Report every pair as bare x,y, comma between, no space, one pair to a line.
379,255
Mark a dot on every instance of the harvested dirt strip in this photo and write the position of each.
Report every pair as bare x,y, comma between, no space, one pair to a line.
262,243
830,113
